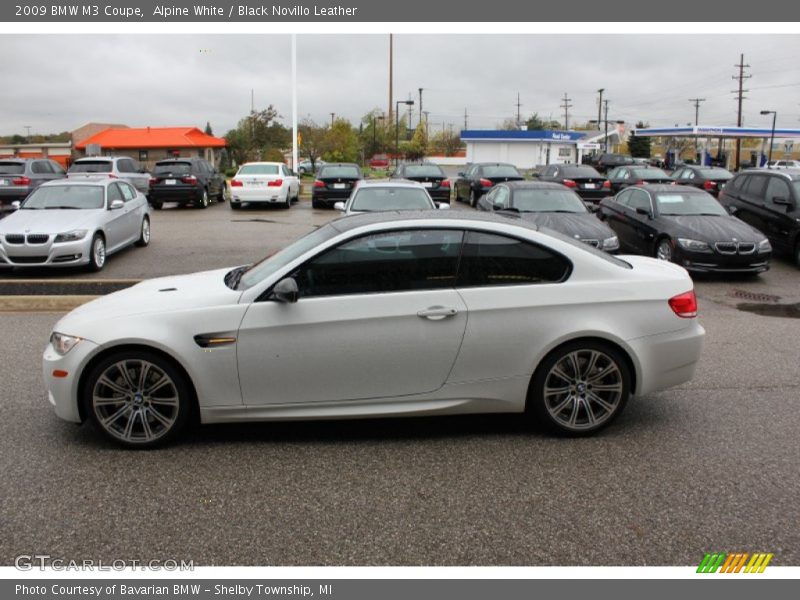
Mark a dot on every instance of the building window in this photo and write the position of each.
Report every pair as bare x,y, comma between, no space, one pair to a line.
142,155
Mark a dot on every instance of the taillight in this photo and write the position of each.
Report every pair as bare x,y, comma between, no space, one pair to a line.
21,181
710,185
485,183
569,183
236,183
607,184
444,183
674,183
153,181
275,183
640,182
684,305
112,176
319,184
189,179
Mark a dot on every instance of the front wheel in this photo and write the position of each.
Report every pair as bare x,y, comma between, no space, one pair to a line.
97,253
137,398
580,388
144,233
664,250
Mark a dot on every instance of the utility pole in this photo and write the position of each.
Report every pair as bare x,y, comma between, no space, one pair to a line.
391,75
600,107
332,116
426,113
465,119
605,102
420,106
740,96
696,102
566,106
518,105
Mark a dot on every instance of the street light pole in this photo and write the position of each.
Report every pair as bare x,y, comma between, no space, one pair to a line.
397,129
772,133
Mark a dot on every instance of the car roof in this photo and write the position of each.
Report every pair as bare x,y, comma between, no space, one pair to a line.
179,159
655,188
792,174
341,164
398,183
533,185
261,162
457,217
99,180
104,158
494,164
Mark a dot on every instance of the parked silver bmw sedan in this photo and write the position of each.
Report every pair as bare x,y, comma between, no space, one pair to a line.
68,223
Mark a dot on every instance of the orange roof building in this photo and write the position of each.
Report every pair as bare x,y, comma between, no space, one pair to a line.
149,144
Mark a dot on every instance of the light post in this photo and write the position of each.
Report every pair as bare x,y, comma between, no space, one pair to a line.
397,128
772,133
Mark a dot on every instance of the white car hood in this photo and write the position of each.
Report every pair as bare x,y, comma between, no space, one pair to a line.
48,220
162,295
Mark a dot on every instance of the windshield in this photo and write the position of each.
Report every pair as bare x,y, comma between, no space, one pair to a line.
269,265
423,171
500,171
259,170
173,168
66,196
335,172
12,168
650,173
688,203
90,166
388,198
548,201
585,247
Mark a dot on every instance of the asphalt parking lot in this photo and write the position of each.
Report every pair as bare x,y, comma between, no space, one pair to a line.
709,466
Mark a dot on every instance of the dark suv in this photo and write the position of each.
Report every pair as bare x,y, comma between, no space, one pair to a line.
606,162
770,201
185,181
20,176
334,183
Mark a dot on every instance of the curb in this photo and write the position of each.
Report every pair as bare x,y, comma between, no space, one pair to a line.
20,303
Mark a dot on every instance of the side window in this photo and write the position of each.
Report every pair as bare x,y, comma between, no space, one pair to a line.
114,193
489,259
500,198
57,168
40,167
624,197
737,183
625,174
122,166
612,174
778,188
286,171
127,191
755,186
395,261
640,199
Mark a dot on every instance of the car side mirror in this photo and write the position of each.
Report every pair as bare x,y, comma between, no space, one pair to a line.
536,175
497,206
116,205
461,174
339,206
644,211
781,200
442,206
15,205
285,291
592,206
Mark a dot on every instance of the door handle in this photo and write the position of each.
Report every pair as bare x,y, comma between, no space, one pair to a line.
437,313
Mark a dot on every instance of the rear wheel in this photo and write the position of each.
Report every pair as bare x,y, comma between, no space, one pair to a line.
137,398
235,205
221,195
473,199
156,204
664,249
203,202
97,253
797,253
580,388
316,204
144,233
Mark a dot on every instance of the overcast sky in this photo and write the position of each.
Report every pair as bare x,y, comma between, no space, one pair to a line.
58,83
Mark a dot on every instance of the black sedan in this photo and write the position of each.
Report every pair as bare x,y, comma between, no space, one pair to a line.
710,179
334,183
622,177
430,176
479,178
585,180
553,206
687,226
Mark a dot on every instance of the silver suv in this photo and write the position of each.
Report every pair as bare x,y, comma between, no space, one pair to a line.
117,167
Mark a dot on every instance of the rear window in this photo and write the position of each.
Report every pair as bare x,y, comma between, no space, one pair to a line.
259,170
579,171
650,173
500,171
548,200
717,173
11,168
387,198
173,168
91,166
350,172
423,171
65,197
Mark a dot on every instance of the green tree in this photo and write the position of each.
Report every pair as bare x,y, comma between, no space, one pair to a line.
341,142
312,143
417,148
639,146
257,135
446,142
536,122
374,133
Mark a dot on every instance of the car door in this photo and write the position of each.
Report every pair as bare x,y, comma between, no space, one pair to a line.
117,220
293,181
779,213
619,216
465,182
486,202
642,228
377,317
749,204
132,210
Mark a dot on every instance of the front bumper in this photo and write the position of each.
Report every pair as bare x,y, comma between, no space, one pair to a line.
50,254
62,392
713,262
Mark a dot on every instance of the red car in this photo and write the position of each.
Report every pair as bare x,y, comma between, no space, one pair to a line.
379,161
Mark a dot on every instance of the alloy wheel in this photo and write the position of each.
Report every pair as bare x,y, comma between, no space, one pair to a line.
664,250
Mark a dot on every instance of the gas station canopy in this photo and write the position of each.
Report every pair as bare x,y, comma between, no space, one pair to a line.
717,132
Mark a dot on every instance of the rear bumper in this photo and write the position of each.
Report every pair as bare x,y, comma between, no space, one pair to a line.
593,195
667,359
330,196
266,194
174,193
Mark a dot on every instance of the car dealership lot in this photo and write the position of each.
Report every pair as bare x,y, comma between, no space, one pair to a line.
707,466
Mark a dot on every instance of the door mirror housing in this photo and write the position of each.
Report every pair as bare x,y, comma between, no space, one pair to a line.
461,174
116,205
285,291
593,208
644,211
15,205
442,206
781,200
339,206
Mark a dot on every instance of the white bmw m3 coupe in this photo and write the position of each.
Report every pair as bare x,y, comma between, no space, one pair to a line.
384,314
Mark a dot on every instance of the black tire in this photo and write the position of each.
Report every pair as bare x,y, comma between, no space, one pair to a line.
203,201
473,199
221,195
236,205
316,204
664,249
97,258
142,421
144,233
797,253
156,204
549,406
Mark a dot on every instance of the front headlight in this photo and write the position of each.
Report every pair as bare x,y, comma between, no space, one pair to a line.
694,245
764,246
63,343
71,236
611,243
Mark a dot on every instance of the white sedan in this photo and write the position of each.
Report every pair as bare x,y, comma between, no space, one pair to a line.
264,183
386,314
384,195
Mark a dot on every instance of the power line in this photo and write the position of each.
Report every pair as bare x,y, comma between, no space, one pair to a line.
697,102
739,97
518,105
566,106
